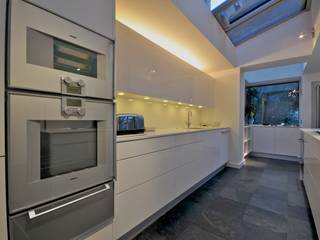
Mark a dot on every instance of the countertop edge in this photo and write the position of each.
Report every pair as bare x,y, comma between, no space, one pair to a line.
155,135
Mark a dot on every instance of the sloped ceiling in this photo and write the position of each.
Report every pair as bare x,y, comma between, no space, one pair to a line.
164,24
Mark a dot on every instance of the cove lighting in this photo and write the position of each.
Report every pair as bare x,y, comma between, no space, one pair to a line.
173,46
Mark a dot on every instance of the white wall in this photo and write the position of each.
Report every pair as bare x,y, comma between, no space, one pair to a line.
229,97
281,72
306,114
200,15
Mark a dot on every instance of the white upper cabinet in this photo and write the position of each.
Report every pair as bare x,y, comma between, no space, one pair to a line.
145,68
97,15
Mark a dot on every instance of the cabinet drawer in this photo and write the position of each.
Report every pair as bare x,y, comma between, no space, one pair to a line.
77,215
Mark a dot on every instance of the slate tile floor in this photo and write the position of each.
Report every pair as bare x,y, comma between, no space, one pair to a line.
264,200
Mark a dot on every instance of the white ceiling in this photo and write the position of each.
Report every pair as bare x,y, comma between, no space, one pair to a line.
164,24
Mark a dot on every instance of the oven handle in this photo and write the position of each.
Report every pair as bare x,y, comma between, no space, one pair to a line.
32,214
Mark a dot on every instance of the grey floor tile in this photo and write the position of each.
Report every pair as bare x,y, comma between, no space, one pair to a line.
266,219
236,195
300,213
252,232
300,230
196,233
297,199
270,204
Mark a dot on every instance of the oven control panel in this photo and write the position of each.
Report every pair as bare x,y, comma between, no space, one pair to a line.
73,107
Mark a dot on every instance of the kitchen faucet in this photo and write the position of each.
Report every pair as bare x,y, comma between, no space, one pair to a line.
189,119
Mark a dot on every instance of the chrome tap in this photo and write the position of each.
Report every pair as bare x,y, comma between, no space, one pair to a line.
189,119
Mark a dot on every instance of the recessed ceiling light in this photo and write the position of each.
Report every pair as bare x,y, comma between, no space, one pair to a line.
180,103
302,35
146,98
78,69
200,106
121,93
165,101
190,105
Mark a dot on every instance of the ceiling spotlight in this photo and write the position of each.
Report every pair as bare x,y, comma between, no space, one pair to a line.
165,101
146,98
190,105
302,36
200,106
121,93
180,103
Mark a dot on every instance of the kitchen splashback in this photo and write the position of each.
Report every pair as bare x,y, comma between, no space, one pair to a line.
163,114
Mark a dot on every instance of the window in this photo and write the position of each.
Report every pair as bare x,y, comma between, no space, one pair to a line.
244,19
276,104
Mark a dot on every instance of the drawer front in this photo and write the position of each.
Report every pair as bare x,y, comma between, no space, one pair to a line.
78,216
140,147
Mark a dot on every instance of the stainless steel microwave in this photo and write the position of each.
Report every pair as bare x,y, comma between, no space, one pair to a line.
57,145
50,54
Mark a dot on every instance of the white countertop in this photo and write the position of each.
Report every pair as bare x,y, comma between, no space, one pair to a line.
280,126
164,132
311,132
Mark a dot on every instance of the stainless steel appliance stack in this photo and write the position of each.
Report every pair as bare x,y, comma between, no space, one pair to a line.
60,126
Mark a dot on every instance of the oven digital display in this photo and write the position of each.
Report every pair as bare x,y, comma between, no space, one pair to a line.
71,102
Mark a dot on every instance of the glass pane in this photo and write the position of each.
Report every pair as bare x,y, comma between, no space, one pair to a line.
72,58
276,104
47,51
67,146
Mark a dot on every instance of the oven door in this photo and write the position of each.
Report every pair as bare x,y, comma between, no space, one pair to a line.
57,146
51,54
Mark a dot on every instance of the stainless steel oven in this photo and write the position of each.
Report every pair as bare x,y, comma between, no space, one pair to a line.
57,145
51,54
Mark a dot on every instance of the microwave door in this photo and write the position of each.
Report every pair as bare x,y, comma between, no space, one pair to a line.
57,146
50,54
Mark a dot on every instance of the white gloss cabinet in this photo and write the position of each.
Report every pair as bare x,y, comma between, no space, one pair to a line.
97,15
145,68
312,176
161,170
283,141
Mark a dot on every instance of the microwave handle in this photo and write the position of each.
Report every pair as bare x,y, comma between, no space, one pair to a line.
32,213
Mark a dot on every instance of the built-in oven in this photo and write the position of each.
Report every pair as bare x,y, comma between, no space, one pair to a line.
57,146
50,54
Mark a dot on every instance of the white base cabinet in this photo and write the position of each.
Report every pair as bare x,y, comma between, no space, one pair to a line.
2,63
160,170
312,176
283,141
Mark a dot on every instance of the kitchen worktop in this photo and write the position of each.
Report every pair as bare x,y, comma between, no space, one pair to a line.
163,133
280,126
311,132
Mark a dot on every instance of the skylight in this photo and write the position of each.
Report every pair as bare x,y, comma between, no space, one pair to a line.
244,19
215,3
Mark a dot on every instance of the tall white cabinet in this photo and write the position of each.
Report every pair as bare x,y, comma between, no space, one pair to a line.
2,62
96,15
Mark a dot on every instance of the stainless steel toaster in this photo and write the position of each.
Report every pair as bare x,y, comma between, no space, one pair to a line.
128,123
